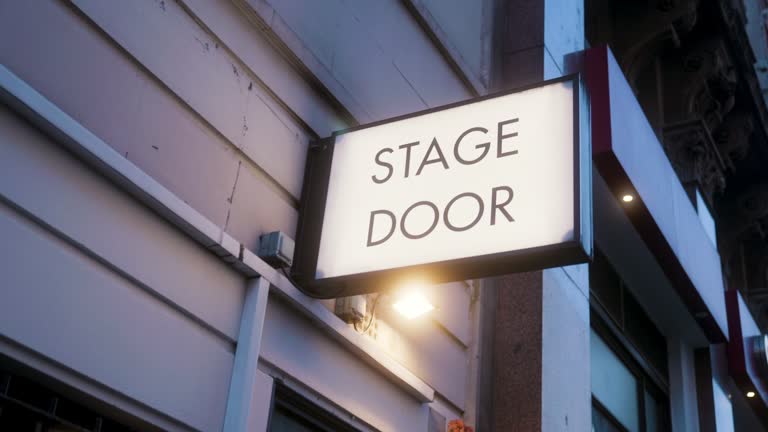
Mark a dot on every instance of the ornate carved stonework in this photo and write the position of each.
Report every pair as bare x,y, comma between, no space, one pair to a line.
752,205
733,137
701,136
641,32
743,226
745,216
691,65
665,5
703,81
755,254
695,156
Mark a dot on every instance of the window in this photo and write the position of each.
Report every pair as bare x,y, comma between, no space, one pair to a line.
613,385
656,410
628,357
616,301
28,405
623,397
603,421
292,412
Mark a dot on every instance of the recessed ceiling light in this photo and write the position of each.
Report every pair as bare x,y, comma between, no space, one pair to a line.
627,198
750,394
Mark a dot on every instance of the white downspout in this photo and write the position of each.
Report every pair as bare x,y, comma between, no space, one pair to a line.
245,370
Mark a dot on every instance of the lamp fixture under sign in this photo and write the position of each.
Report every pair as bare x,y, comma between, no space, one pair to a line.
750,394
628,198
411,304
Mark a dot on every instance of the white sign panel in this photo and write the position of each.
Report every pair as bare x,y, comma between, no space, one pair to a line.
492,178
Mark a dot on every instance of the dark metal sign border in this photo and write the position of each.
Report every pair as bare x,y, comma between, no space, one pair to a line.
312,212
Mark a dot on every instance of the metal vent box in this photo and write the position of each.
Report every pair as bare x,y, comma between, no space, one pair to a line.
276,249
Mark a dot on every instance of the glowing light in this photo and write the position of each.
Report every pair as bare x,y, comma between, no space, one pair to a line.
750,394
627,198
412,304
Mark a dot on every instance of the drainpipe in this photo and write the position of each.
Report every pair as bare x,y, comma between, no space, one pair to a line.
244,371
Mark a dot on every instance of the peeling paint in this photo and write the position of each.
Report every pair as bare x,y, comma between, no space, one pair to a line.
205,45
232,194
237,77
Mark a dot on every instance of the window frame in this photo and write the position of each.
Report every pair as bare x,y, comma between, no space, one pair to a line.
617,342
607,414
304,410
614,327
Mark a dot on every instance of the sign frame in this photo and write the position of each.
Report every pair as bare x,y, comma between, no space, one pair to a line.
312,210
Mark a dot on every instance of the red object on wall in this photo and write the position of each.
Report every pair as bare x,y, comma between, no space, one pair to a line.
742,366
459,426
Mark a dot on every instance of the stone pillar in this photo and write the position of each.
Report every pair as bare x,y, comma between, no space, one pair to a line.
533,39
541,351
540,379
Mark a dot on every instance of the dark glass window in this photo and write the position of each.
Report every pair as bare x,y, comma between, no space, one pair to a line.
652,418
644,334
625,398
603,421
283,421
29,405
616,301
292,412
606,286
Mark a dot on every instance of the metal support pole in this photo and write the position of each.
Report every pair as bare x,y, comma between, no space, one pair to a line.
244,371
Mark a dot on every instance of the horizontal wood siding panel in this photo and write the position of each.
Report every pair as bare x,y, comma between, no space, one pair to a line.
40,177
75,311
452,303
403,42
352,48
296,346
111,95
463,26
198,96
166,40
252,47
427,350
389,73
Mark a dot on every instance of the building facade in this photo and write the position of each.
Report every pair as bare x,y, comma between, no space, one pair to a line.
146,146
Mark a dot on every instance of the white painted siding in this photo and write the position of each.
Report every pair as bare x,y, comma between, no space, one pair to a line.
112,96
297,347
217,101
209,79
162,343
46,182
465,29
374,52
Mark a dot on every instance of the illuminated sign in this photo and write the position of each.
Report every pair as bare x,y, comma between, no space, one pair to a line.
491,186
